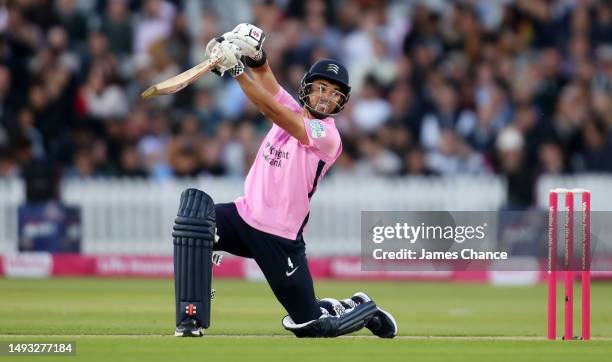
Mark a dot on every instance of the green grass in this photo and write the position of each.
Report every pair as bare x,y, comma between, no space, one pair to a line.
132,319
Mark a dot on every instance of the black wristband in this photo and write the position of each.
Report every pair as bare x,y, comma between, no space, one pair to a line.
252,63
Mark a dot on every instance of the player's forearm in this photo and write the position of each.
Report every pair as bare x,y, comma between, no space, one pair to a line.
263,75
263,100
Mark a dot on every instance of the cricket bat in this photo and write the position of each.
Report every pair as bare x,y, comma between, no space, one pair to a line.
182,80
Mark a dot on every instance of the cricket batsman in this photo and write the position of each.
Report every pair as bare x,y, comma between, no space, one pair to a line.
268,222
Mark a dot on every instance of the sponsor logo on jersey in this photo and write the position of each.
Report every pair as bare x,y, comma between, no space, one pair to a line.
274,156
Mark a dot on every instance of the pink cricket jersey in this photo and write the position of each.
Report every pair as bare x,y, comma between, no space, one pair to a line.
285,174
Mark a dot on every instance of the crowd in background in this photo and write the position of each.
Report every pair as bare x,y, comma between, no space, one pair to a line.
516,88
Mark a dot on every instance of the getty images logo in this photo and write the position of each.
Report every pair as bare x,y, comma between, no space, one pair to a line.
333,68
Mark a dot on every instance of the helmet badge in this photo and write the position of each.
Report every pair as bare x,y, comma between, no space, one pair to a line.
333,68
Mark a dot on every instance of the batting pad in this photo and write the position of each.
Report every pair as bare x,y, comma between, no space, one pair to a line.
329,325
193,237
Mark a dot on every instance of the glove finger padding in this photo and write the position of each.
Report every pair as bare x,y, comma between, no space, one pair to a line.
228,52
208,52
251,35
209,47
246,47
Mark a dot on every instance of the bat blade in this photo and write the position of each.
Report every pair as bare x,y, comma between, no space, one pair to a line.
180,81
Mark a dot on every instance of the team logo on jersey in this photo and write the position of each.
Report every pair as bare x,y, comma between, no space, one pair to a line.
316,129
333,68
274,156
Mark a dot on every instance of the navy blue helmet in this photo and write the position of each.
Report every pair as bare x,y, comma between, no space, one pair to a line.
332,71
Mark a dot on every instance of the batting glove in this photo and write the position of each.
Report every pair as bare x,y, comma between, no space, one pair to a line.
231,62
249,39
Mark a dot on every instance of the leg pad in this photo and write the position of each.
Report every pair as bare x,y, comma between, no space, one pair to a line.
329,325
193,236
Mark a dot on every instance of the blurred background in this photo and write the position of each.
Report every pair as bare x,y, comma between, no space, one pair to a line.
456,105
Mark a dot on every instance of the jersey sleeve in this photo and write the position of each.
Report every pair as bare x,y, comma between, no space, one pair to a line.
323,139
284,98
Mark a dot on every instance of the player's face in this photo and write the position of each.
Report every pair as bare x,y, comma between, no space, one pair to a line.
325,96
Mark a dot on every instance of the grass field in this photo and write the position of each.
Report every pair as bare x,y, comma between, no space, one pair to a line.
133,319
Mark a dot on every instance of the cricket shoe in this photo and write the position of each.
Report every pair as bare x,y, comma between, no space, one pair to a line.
382,324
188,327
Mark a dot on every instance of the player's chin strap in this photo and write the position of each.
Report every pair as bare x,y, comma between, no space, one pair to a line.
335,320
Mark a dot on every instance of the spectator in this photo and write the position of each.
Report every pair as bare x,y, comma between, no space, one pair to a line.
376,159
603,77
510,147
602,27
207,111
117,28
25,129
415,163
446,115
131,165
406,108
101,99
454,156
59,46
153,148
570,117
99,55
72,21
597,150
519,88
153,24
7,98
185,148
371,111
551,159
83,165
8,164
493,113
